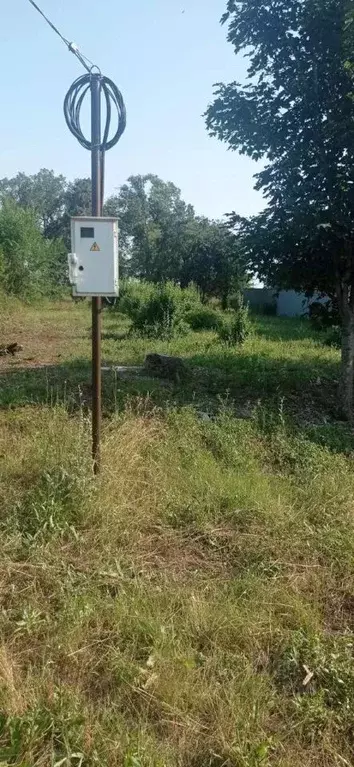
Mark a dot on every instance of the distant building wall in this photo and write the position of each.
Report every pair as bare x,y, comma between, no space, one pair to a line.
258,298
288,303
291,304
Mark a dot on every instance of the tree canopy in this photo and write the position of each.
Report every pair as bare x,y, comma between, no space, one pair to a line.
296,110
160,236
153,220
213,260
44,193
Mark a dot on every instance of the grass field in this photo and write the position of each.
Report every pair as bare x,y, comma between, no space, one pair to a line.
194,606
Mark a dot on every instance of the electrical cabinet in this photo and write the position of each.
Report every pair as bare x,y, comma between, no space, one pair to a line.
93,262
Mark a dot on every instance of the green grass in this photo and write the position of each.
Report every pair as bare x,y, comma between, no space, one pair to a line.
169,613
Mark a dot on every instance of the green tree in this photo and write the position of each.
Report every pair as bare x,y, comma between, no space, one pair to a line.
296,110
153,220
212,260
44,193
77,202
78,197
26,258
52,198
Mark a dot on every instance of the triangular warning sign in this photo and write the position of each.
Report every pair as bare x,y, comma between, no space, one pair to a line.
95,248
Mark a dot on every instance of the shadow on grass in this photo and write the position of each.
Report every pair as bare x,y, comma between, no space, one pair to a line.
336,437
69,385
263,373
302,384
50,384
304,390
307,389
285,328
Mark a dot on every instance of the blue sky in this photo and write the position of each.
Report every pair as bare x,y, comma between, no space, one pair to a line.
164,55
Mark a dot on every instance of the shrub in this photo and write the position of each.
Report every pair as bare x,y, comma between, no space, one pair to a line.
30,265
159,317
162,315
235,301
235,332
158,311
204,319
24,268
333,337
132,296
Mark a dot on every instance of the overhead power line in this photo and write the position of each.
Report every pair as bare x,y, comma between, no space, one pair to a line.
86,63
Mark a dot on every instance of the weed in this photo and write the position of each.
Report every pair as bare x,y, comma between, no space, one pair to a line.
204,319
159,311
235,331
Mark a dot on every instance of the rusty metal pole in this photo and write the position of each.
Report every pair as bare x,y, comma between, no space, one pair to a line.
96,177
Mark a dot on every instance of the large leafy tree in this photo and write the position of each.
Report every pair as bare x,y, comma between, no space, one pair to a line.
160,237
153,220
44,193
213,260
52,199
77,202
27,259
296,110
49,200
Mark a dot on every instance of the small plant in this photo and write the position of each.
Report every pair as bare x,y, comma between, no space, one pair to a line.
235,301
204,319
328,696
159,317
52,506
236,331
333,337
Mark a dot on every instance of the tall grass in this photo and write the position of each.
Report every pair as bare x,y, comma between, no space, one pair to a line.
193,607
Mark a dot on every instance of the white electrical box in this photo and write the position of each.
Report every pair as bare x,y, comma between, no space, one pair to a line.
93,262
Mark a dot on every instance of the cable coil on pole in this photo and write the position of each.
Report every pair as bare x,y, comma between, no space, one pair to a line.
73,104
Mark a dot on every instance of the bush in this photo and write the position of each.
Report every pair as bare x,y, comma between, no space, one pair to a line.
132,296
204,319
158,311
333,337
159,317
30,265
23,253
236,301
235,332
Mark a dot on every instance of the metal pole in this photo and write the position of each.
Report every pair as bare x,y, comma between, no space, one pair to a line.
96,302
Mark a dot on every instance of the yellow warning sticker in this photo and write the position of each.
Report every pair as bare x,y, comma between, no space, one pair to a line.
95,248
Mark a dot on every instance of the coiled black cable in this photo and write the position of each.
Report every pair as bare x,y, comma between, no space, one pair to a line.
73,104
76,94
72,110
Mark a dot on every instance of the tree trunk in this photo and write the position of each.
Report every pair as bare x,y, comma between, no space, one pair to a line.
347,371
345,298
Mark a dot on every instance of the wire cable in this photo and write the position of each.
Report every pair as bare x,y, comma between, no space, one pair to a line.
75,97
73,105
86,63
72,111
